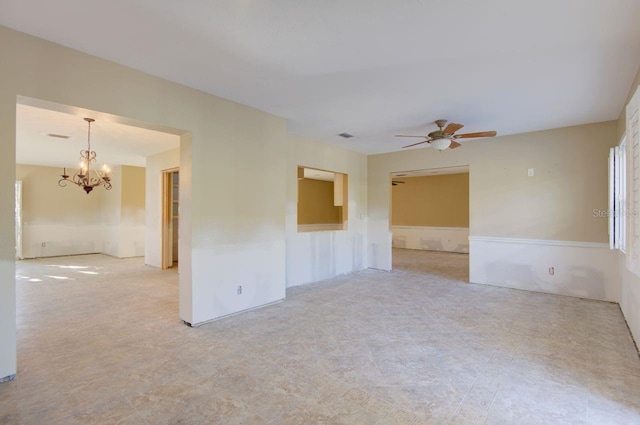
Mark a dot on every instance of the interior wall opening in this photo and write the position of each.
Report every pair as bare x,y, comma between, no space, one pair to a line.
323,200
123,222
430,221
52,220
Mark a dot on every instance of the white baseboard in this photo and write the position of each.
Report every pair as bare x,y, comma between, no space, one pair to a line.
579,269
449,239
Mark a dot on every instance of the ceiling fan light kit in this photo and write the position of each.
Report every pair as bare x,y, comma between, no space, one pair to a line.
441,144
445,137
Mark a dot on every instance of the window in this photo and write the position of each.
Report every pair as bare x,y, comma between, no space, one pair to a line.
618,196
322,200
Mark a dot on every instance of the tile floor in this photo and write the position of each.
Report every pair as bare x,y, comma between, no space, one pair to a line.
100,342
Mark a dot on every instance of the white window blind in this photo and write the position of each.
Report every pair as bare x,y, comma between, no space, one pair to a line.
621,198
617,196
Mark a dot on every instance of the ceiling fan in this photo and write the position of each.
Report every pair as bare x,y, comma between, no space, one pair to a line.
445,137
396,182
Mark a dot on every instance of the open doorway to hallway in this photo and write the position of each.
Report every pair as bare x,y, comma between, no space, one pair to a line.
430,221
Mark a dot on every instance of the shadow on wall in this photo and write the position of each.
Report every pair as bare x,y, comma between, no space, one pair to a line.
579,281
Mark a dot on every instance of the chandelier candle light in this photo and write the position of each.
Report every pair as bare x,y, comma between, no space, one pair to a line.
83,176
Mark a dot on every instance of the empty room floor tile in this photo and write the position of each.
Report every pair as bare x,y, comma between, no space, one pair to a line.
418,345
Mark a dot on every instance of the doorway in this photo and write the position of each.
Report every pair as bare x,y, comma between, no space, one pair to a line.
170,217
430,221
47,136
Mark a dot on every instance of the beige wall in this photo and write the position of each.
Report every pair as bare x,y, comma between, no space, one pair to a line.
65,219
112,213
315,202
69,222
431,201
570,180
132,212
132,224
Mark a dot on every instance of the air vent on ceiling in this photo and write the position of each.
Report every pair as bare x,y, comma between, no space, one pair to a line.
400,175
346,135
58,136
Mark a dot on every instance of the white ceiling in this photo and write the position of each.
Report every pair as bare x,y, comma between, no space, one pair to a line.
115,143
372,68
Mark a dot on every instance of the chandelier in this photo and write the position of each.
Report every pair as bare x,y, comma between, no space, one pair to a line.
87,177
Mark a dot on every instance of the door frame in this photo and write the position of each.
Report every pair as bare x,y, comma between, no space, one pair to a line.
417,173
167,217
18,218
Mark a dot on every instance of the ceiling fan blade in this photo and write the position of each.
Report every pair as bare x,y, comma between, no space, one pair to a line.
404,135
480,134
452,128
416,144
454,145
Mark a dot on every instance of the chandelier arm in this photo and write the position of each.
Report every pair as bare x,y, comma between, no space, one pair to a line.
83,176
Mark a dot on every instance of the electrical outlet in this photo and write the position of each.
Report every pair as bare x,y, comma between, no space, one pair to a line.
552,271
239,290
44,244
530,172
